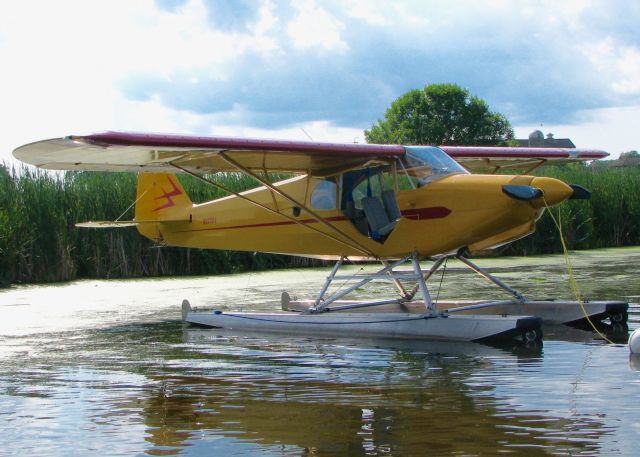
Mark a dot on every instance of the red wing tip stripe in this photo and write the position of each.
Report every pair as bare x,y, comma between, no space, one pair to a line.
186,141
311,147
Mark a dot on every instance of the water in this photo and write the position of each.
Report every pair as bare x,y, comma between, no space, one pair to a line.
106,367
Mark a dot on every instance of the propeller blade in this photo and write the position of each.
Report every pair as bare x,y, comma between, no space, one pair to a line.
579,193
523,193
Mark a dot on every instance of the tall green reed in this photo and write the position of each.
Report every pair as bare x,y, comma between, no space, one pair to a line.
610,218
39,241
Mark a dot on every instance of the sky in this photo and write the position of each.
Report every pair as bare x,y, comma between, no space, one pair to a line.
313,69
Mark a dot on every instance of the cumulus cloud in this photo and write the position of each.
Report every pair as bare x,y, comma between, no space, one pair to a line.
208,66
344,62
313,26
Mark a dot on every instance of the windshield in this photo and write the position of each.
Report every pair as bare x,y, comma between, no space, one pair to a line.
425,164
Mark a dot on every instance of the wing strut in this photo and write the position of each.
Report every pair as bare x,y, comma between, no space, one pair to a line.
534,167
354,243
266,208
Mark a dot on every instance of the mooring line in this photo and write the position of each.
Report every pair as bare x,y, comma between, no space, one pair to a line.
573,283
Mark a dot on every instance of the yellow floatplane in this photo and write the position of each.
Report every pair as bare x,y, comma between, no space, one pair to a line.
397,205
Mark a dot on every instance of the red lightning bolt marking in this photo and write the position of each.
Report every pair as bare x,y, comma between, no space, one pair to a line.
173,193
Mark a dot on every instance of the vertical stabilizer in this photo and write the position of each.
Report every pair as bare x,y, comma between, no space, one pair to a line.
160,197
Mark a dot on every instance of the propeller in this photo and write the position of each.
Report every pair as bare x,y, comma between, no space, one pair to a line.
579,192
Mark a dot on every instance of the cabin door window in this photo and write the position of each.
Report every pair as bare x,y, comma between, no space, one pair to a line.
369,201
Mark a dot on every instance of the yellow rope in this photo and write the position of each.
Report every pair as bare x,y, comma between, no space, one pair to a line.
573,283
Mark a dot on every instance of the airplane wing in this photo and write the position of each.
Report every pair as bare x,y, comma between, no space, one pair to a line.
116,151
491,159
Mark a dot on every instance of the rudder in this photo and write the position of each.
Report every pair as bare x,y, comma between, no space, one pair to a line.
160,197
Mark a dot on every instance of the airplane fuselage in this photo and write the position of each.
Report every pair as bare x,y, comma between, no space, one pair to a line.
459,210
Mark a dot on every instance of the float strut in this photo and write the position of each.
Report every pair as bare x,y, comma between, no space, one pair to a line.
403,292
490,277
422,285
429,273
328,281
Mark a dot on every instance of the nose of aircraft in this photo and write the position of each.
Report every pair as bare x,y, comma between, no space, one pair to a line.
554,191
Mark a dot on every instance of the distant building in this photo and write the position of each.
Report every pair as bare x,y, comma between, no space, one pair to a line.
537,140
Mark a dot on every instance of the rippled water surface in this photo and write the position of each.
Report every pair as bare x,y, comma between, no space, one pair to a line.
106,367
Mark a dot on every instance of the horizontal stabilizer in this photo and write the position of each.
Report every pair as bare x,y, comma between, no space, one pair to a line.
119,224
106,224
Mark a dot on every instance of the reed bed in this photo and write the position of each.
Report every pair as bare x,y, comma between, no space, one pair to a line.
39,242
610,218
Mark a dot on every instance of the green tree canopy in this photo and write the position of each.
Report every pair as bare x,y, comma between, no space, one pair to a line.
440,114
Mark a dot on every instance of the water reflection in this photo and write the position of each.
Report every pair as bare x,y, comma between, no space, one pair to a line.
244,395
303,397
93,373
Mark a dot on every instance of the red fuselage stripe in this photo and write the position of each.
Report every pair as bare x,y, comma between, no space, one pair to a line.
436,212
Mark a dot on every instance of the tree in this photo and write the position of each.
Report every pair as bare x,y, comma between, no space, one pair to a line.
440,114
629,154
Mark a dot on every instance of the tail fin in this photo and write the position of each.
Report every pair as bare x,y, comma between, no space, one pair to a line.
161,197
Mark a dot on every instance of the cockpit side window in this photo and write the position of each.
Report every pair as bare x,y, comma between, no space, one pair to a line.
324,196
